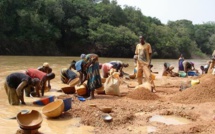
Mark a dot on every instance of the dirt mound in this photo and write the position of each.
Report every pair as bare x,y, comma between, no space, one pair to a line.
142,93
123,111
203,92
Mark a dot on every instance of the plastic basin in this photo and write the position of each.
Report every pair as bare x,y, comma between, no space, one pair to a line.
191,73
44,101
182,74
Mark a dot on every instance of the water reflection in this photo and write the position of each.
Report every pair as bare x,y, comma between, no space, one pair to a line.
169,120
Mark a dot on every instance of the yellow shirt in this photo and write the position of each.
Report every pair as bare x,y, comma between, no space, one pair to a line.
143,52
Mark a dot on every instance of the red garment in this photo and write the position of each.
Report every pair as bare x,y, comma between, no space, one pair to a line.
34,73
106,67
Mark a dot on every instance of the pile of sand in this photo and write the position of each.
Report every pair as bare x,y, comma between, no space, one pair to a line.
142,93
122,112
203,92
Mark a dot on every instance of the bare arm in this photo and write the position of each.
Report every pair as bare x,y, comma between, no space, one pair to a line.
19,91
49,70
150,58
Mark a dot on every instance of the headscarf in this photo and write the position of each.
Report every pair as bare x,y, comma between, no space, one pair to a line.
83,56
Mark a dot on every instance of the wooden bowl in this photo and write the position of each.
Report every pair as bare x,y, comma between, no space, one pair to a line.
106,109
68,90
132,76
81,90
29,121
53,109
92,105
132,84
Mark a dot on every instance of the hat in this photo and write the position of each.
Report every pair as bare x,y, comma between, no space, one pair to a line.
82,56
192,63
46,64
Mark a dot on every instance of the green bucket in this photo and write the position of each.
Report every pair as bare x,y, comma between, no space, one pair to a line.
182,74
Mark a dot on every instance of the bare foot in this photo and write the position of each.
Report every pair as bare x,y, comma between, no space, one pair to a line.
90,98
153,90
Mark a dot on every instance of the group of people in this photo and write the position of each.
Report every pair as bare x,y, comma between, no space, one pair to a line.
32,80
183,65
186,66
88,68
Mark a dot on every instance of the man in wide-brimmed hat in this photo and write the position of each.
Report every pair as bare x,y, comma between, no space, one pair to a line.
46,69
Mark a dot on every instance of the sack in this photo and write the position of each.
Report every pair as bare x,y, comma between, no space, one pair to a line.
111,86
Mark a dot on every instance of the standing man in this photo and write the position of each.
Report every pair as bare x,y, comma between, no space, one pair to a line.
143,52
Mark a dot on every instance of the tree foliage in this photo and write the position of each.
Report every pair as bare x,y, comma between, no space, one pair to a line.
71,27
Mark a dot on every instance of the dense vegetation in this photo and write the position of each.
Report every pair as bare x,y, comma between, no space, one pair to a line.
72,27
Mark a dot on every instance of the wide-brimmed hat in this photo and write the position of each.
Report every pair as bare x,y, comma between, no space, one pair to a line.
46,64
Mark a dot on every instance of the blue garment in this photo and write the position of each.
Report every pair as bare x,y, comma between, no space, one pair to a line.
78,65
93,74
71,75
135,70
116,65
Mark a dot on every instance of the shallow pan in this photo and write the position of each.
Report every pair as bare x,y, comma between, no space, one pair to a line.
107,117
